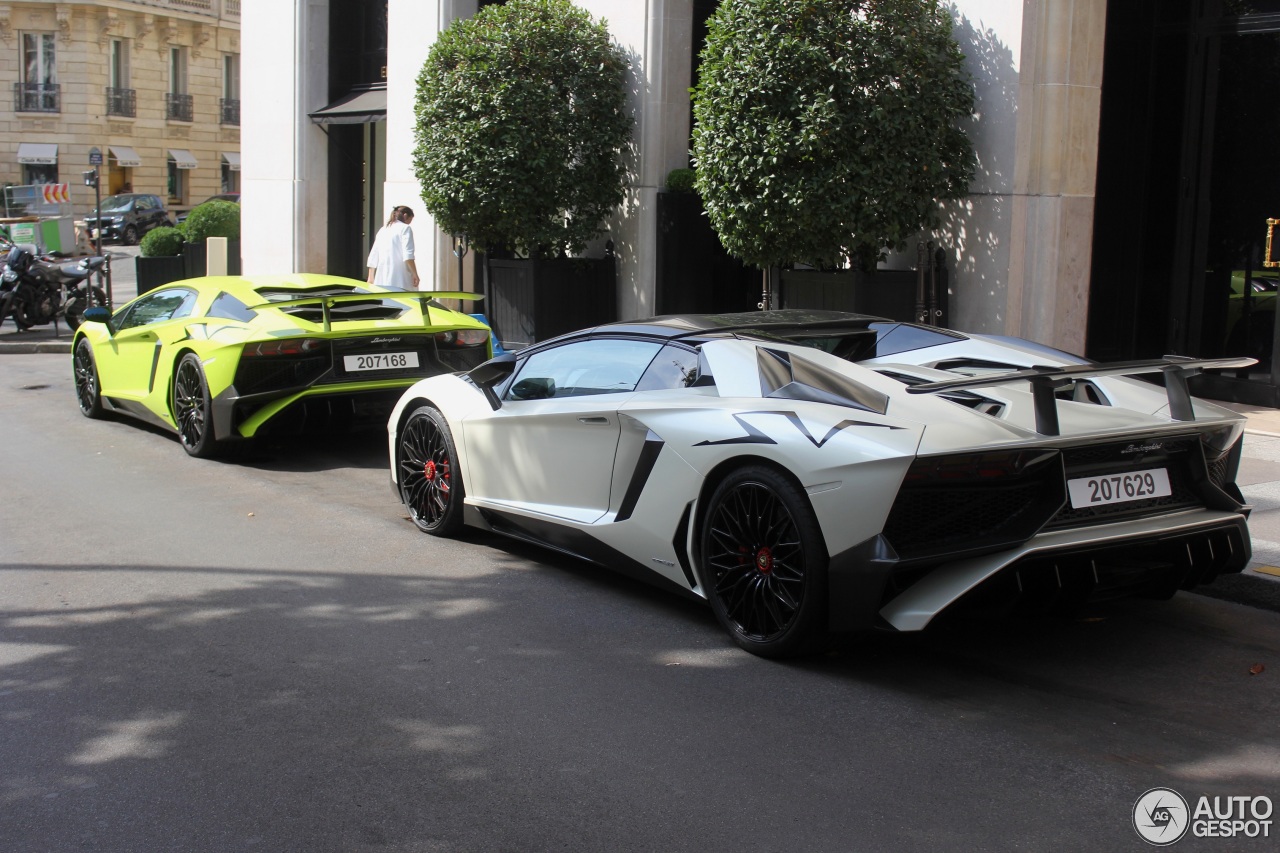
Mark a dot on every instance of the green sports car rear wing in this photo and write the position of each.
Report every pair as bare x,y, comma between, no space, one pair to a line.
1046,380
326,301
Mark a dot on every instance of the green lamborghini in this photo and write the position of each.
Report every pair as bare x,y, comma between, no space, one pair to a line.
222,359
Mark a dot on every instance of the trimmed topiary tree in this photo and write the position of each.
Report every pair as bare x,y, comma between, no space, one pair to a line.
521,125
161,242
827,131
213,219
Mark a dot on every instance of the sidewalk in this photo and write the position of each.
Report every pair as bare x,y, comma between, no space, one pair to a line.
124,286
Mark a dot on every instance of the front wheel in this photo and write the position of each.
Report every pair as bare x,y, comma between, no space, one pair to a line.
88,388
129,236
193,409
427,468
764,563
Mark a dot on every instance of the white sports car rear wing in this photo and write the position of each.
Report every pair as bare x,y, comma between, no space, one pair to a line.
1046,380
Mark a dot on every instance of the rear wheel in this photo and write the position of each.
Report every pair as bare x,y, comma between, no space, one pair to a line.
192,408
88,389
427,471
764,563
76,307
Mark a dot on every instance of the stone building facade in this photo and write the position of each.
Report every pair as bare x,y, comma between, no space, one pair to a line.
153,85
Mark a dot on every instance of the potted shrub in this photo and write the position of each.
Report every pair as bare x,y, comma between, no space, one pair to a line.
827,131
211,219
160,258
521,123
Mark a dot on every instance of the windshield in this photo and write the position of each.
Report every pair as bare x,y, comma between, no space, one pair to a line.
114,205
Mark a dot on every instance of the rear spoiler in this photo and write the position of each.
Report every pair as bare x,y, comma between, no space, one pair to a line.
327,301
1045,381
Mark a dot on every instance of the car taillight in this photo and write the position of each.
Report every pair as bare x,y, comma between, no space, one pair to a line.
971,467
462,338
284,346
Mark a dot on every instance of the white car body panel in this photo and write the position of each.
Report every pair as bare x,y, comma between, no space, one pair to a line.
625,474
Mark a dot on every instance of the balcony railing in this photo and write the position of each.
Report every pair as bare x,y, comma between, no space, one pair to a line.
230,110
37,98
177,107
122,102
211,8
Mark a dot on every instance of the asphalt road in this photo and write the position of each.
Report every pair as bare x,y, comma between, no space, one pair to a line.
266,655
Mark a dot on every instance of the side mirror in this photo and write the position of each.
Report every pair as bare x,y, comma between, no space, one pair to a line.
493,371
97,314
534,389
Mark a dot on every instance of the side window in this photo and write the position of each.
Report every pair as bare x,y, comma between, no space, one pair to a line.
674,367
585,367
229,307
158,307
144,203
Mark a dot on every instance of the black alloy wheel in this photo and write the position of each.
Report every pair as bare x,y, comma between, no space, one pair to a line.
192,408
129,236
765,564
427,468
88,389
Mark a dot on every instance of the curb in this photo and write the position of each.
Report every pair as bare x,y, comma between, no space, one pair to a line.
35,347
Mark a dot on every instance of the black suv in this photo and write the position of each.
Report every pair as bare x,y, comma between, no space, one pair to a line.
127,216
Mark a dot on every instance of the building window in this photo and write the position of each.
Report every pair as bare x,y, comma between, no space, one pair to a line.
39,173
121,99
177,183
177,102
229,106
38,90
230,179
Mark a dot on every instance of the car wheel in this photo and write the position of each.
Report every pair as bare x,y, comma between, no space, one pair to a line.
192,409
764,563
430,481
129,236
88,389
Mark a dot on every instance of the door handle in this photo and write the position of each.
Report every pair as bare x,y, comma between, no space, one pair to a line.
596,420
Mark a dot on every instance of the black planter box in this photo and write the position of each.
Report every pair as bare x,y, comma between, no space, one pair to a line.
891,294
533,300
157,272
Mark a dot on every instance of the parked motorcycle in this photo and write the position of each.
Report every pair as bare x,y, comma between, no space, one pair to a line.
36,291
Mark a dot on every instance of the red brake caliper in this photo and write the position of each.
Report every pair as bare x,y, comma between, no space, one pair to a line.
430,470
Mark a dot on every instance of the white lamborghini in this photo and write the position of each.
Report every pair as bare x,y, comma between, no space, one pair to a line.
810,472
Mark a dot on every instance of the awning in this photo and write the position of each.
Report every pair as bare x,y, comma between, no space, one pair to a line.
182,158
360,106
126,157
38,153
232,159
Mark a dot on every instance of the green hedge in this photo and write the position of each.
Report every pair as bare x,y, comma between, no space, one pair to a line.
161,242
213,219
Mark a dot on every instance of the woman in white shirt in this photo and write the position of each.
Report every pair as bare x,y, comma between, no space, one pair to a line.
391,261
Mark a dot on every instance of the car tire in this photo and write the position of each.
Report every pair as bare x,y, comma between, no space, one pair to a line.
74,313
129,236
428,475
193,409
88,386
764,563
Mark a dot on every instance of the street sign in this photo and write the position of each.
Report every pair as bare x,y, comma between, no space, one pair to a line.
95,157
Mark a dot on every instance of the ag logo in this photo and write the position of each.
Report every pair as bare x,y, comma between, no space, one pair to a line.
1161,816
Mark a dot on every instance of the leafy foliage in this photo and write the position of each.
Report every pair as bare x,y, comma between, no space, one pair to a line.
681,180
826,131
161,242
521,122
213,219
